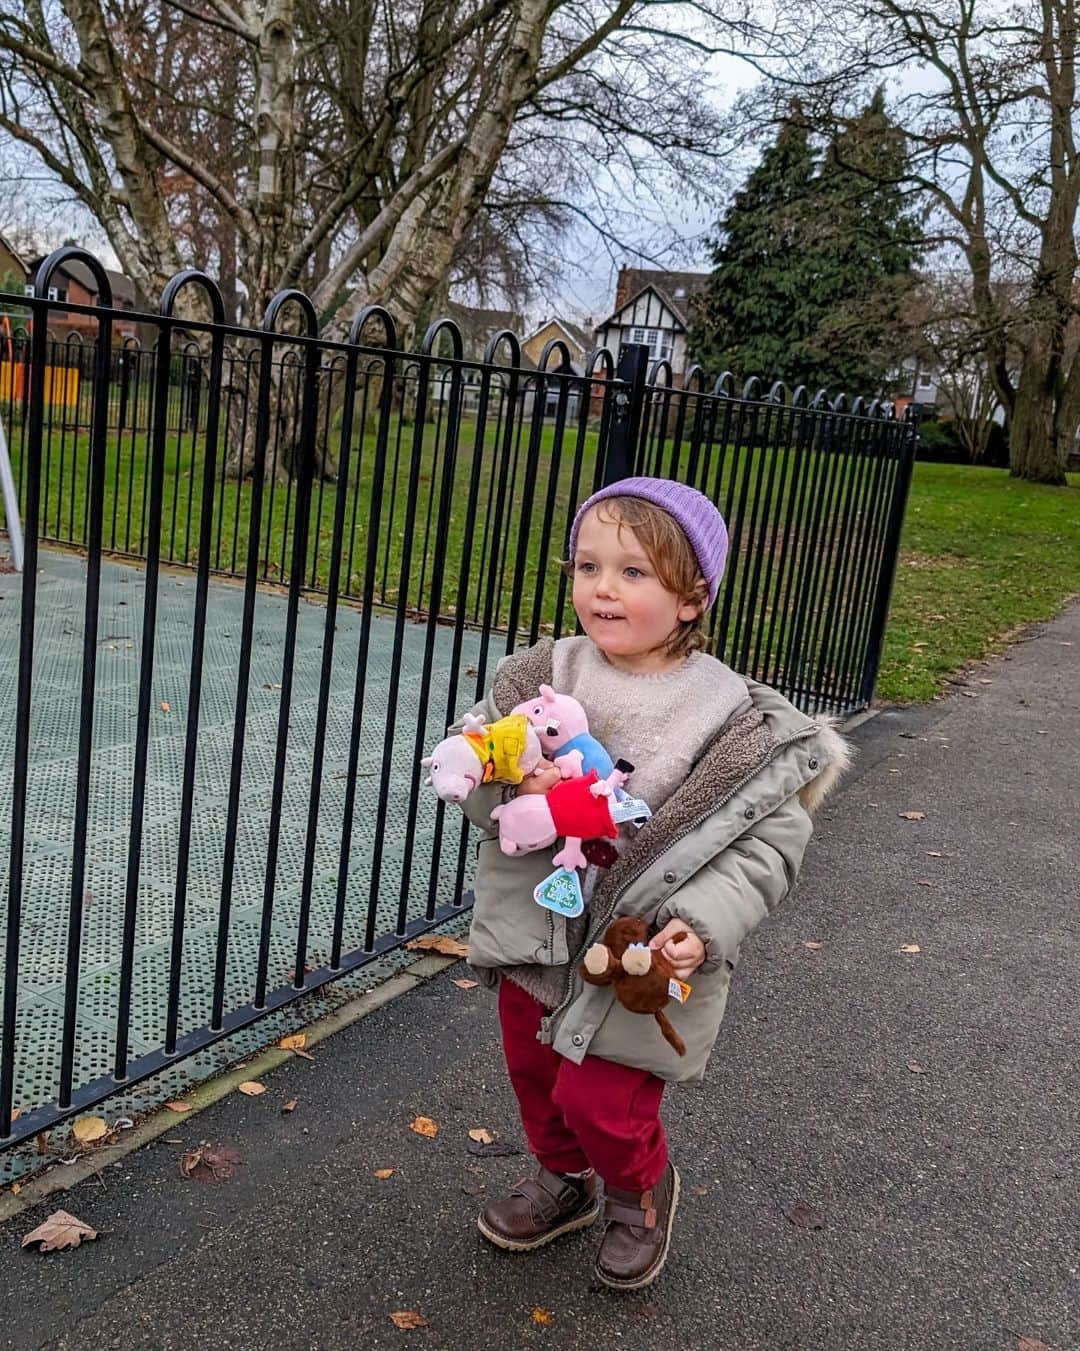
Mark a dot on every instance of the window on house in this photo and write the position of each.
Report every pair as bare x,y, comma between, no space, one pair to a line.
654,339
926,379
28,289
58,293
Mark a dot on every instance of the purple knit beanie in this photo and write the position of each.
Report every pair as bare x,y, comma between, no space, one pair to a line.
699,520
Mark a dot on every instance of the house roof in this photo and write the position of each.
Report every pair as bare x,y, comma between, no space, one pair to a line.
14,252
73,270
574,332
676,289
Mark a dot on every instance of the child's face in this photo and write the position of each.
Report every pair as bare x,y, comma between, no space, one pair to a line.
621,603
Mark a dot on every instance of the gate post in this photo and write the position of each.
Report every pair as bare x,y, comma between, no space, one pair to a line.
628,402
889,561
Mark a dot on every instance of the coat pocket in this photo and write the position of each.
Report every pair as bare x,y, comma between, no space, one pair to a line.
508,927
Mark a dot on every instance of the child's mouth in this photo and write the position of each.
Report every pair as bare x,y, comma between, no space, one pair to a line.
609,618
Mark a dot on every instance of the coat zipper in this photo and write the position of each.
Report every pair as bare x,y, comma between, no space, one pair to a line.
592,929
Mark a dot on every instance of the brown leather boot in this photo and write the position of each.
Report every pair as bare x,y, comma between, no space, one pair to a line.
539,1209
638,1233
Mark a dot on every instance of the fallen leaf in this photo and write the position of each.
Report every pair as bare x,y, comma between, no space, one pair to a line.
210,1163
915,1067
60,1230
472,1188
273,685
542,1316
699,1190
296,1043
253,1089
910,947
383,1173
16,1112
42,1142
814,946
924,882
289,1106
912,816
423,1125
466,984
165,706
90,1128
482,1135
449,947
408,1318
496,1150
16,1188
1031,1343
178,1106
805,1216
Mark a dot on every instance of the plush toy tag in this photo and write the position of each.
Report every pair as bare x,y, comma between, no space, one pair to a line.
678,990
630,809
561,892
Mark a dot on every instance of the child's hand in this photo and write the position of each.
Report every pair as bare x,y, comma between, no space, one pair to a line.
685,956
539,782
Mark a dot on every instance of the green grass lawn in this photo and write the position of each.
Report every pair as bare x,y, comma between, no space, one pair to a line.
982,555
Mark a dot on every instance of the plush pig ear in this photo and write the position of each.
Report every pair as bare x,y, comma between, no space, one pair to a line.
547,692
428,781
427,760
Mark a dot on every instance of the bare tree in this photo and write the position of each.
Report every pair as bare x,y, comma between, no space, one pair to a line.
987,95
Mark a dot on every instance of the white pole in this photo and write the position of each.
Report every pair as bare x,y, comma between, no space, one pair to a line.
11,503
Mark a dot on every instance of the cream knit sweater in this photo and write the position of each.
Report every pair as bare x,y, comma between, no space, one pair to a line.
660,723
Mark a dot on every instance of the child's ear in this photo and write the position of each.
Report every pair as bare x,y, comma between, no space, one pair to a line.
693,605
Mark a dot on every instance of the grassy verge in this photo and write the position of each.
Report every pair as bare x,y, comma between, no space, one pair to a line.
982,555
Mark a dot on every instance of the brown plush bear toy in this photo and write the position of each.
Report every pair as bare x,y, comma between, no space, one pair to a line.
639,975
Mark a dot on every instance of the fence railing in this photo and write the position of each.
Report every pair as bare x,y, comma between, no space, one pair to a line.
427,498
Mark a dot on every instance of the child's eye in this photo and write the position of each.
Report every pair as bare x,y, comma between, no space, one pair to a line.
634,572
585,567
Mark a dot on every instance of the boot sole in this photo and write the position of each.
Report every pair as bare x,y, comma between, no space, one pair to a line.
647,1278
580,1221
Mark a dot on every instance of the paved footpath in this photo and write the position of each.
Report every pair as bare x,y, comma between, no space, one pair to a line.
924,1104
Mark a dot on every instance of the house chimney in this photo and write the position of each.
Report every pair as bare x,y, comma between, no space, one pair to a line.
622,288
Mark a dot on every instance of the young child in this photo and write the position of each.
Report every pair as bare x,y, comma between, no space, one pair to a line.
730,770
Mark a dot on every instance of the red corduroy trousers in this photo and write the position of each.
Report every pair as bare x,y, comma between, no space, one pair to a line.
596,1114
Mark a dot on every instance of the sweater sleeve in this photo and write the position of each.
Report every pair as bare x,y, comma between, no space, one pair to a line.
727,899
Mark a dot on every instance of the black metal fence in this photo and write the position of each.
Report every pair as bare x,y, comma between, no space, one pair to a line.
435,494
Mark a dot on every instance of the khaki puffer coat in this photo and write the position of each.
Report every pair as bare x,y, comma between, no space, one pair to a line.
721,854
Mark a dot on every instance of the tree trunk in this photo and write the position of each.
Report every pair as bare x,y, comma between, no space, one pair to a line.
1035,450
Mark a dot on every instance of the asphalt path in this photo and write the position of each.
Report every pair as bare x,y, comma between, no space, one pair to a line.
923,1105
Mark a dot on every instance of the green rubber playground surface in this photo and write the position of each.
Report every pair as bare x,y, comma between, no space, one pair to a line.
51,797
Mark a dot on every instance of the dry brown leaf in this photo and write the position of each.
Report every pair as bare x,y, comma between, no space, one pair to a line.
178,1106
805,1216
42,1142
16,1112
383,1173
165,706
542,1316
699,1190
912,816
16,1188
90,1128
449,947
814,946
209,1163
253,1089
481,1135
466,984
289,1106
60,1230
1030,1344
296,1041
408,1318
910,947
915,1067
423,1125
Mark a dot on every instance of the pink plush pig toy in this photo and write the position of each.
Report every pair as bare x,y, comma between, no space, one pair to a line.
563,728
506,750
577,809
